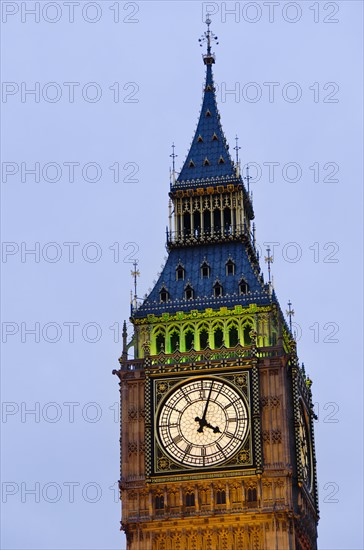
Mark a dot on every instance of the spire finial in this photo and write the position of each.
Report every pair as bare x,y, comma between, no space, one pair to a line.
290,313
135,274
269,260
248,177
208,36
236,148
173,156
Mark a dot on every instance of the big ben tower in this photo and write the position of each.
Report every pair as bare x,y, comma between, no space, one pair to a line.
217,443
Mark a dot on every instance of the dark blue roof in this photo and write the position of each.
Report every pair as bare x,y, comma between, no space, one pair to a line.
209,153
191,259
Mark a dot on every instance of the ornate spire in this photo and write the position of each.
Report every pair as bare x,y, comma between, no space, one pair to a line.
209,155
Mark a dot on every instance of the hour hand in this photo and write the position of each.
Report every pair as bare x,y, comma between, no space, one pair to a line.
215,429
204,424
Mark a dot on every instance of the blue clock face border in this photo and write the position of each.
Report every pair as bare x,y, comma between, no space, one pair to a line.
211,417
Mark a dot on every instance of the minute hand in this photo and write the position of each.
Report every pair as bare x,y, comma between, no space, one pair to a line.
207,404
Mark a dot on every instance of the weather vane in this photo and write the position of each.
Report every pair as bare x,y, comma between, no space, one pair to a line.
269,260
208,36
290,313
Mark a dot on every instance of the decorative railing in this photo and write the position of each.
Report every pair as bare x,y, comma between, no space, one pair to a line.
196,357
210,235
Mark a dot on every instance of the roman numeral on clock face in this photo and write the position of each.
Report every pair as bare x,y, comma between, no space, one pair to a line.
188,448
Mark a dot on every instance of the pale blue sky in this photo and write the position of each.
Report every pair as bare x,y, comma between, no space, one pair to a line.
159,53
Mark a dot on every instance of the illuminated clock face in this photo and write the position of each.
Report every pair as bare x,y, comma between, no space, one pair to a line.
305,450
202,423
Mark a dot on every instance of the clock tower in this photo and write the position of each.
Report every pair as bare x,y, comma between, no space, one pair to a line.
217,442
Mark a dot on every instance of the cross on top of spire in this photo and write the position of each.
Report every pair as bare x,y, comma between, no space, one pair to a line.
208,37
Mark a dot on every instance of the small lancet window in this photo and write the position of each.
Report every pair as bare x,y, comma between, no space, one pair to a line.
252,495
190,499
199,139
208,88
221,160
189,294
220,497
217,290
159,502
230,267
208,113
164,294
214,137
206,162
243,287
205,270
191,164
160,340
180,273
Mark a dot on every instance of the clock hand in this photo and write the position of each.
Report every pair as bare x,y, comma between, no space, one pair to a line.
202,421
216,429
207,403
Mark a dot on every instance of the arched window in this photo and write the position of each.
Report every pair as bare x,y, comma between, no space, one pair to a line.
233,336
230,267
243,287
159,502
220,497
160,342
217,220
174,342
190,499
205,270
246,333
187,223
227,220
164,294
189,340
196,223
252,495
217,290
180,273
204,338
189,293
207,221
218,338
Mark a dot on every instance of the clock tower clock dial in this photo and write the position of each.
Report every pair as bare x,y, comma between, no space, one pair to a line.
202,423
305,451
